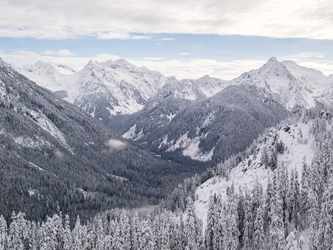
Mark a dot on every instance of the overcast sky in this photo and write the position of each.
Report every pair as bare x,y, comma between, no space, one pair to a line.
185,38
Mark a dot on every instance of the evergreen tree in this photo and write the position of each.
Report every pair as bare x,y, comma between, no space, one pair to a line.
313,219
258,228
146,241
79,235
135,233
209,232
241,216
276,228
232,234
294,205
268,199
124,230
304,204
18,232
219,225
193,227
3,233
325,230
67,234
248,221
291,242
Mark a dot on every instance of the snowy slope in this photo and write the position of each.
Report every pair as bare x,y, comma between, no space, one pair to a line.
116,87
122,87
52,76
292,85
299,146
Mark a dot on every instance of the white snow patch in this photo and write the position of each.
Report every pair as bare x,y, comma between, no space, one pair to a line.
48,126
28,142
130,134
208,120
32,192
194,152
119,177
164,141
191,147
34,165
170,117
180,143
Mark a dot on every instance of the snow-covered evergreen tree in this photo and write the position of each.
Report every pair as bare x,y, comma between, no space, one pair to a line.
18,232
325,225
3,232
276,228
193,227
258,229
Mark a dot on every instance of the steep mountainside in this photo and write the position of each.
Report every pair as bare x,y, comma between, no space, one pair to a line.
208,130
293,86
276,194
101,89
54,156
293,144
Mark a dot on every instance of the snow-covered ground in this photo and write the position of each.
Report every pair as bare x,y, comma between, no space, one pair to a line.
299,147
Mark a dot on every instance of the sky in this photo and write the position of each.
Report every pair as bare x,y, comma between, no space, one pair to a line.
182,38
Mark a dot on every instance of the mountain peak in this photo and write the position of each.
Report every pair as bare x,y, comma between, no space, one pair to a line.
121,61
91,64
4,64
272,60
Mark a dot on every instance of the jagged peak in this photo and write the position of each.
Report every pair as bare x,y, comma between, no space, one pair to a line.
91,64
272,62
121,61
205,77
4,64
273,59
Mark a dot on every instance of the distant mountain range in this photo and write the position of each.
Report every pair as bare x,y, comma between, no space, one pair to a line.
204,120
124,88
114,87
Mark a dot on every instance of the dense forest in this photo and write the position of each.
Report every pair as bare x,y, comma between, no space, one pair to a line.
280,215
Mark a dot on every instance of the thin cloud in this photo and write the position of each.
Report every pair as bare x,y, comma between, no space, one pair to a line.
72,18
114,144
167,39
48,52
152,58
304,55
65,52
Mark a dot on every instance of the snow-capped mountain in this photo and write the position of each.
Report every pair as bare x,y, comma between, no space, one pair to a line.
101,89
48,75
292,85
118,87
115,87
